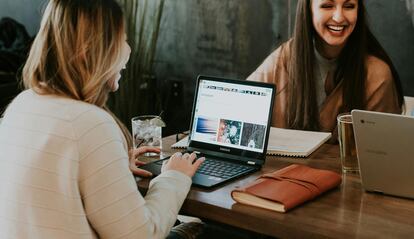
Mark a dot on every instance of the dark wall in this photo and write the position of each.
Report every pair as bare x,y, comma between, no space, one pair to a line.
230,38
393,25
27,12
223,38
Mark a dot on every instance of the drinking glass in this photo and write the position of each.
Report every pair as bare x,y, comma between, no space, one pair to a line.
146,131
347,147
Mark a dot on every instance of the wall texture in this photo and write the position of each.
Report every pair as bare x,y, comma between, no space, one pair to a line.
410,7
391,23
27,12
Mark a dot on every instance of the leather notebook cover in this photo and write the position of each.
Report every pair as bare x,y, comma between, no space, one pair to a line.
287,188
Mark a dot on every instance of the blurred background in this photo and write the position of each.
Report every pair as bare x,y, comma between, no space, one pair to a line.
173,41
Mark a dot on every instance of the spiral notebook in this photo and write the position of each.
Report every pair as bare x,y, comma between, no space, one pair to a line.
285,142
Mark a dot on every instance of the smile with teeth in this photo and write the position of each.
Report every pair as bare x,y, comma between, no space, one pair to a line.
336,28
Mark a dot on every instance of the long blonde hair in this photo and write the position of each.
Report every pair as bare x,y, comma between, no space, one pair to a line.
77,51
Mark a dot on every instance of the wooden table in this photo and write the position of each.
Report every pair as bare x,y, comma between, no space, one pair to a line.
345,212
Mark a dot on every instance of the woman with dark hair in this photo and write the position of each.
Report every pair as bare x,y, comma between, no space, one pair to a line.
333,64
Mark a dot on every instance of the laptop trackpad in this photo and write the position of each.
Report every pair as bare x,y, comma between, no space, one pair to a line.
153,167
205,180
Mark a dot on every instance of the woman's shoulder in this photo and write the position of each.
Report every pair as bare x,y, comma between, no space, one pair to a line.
381,91
89,120
59,112
87,113
272,65
63,108
377,68
283,51
379,75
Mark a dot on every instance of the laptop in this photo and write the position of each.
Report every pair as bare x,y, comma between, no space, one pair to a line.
385,148
230,126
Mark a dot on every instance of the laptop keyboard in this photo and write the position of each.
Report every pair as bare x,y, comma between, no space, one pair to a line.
222,169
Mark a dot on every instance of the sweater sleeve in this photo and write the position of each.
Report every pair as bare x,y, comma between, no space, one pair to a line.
112,203
381,93
267,71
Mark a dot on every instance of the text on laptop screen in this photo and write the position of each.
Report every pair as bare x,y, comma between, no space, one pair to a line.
231,115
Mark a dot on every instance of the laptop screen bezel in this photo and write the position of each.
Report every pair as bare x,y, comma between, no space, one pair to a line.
230,152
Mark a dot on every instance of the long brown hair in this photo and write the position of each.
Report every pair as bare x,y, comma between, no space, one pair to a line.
77,51
350,72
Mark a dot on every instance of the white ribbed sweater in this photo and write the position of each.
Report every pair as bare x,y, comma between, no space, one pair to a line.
64,174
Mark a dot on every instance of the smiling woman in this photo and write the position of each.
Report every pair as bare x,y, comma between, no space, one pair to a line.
333,64
334,22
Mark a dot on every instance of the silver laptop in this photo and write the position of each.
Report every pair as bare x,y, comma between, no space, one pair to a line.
385,147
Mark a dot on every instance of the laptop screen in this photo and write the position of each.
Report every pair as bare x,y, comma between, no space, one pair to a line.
232,115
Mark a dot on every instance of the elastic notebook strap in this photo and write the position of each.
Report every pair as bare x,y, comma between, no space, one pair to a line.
312,188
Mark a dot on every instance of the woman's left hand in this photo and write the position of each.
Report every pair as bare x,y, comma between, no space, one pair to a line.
134,163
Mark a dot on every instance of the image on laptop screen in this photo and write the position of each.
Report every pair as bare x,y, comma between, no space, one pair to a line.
231,115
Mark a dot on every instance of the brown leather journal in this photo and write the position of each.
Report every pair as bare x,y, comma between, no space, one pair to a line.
286,188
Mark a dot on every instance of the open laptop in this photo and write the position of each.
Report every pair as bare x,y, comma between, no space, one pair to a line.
385,148
230,126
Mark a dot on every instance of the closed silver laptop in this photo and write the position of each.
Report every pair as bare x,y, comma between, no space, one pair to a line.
385,148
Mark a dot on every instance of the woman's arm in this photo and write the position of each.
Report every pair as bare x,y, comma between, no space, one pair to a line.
112,203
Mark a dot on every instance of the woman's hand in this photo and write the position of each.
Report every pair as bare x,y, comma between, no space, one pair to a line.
134,163
183,163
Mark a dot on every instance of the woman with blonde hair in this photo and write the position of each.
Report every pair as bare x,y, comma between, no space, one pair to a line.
64,166
333,64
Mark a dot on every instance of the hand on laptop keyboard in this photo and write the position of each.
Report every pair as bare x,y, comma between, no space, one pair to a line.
187,163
